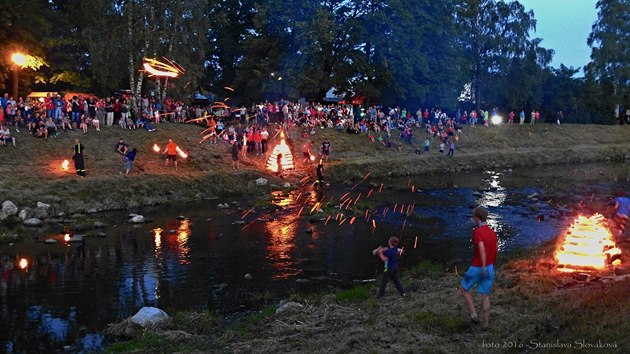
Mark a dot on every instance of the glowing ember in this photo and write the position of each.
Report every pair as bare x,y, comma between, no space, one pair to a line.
588,245
181,153
156,148
287,158
65,165
23,263
66,237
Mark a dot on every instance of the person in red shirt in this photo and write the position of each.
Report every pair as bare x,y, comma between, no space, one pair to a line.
481,272
171,153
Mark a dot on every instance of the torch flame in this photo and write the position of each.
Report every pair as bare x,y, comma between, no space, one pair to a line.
287,158
23,263
65,165
182,153
66,237
587,245
156,148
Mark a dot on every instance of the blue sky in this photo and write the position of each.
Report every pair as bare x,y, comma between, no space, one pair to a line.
564,26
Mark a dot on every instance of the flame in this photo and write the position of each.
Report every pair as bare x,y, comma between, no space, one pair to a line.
66,237
23,263
65,165
160,68
287,158
156,148
587,245
182,153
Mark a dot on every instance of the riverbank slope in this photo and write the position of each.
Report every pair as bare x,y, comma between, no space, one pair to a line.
32,171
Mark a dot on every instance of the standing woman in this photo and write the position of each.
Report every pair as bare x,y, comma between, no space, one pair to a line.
79,163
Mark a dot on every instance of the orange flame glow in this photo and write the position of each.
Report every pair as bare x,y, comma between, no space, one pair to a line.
587,245
156,148
287,158
23,263
65,165
182,153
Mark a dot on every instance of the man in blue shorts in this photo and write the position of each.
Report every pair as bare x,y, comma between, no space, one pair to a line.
481,273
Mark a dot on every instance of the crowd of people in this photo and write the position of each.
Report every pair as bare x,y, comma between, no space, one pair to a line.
249,128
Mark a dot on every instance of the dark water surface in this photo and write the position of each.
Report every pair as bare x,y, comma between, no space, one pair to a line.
68,293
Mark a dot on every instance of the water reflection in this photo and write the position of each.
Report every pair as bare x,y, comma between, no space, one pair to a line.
281,244
495,195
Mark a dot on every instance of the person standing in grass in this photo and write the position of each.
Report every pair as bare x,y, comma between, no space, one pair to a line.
389,255
79,162
130,157
481,272
451,148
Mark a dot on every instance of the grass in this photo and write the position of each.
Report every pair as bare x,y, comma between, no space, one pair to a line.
357,293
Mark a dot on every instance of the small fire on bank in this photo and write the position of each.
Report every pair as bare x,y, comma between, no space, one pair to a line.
587,246
286,161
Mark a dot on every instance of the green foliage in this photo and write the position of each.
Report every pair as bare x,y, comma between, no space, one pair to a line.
610,56
262,315
358,293
425,268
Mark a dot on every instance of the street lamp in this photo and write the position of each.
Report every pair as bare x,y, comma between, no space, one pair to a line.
19,60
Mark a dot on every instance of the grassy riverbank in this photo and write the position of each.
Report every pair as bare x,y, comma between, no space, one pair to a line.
32,170
534,308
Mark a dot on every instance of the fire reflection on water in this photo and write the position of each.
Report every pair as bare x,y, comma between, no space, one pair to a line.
281,245
183,249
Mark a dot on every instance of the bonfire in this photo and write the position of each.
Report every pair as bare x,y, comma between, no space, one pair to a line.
587,246
287,158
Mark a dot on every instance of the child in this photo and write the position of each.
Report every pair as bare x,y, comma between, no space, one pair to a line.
427,146
442,148
390,257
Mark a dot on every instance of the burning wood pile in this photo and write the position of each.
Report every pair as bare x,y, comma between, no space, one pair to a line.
286,160
587,246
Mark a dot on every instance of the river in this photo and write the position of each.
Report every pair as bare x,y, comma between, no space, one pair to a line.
199,257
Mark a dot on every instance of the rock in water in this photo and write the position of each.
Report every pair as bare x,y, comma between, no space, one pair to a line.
33,222
261,182
137,219
248,276
8,209
50,241
149,316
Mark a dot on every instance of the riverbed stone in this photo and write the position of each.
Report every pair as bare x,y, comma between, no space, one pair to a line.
99,224
8,210
24,214
33,222
261,182
92,211
50,241
43,205
148,315
288,306
137,219
39,213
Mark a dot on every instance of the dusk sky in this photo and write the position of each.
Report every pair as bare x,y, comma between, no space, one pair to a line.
564,26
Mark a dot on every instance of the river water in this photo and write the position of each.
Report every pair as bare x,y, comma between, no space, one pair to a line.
198,257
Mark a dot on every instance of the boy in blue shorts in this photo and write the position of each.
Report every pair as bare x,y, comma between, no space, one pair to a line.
481,272
390,257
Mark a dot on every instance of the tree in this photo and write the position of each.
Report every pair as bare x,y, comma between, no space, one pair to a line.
493,33
24,26
610,56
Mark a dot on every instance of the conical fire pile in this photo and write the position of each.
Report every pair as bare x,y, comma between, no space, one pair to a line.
287,158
